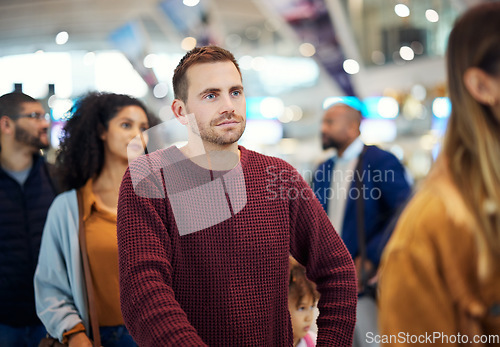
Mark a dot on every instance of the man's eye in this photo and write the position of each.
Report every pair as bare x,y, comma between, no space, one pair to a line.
210,96
236,93
125,125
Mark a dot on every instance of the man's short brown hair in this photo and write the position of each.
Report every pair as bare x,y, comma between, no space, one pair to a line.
198,55
11,104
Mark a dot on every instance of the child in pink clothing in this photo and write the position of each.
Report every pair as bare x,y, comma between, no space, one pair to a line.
302,298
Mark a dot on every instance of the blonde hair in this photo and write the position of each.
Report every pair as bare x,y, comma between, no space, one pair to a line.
472,144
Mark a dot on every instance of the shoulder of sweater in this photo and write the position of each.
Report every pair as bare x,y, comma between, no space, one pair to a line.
436,215
148,164
149,159
254,158
418,226
454,206
432,236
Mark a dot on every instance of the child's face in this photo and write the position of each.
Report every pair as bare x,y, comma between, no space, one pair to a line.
302,316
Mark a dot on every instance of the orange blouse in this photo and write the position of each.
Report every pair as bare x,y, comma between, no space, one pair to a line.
102,248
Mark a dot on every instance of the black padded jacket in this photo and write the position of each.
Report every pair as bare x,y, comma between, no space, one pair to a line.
23,210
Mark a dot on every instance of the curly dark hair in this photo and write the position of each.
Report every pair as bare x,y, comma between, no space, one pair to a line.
81,154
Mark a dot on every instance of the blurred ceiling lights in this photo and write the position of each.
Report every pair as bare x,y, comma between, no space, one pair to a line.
62,38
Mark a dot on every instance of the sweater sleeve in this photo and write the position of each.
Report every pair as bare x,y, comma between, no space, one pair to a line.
315,244
149,308
54,295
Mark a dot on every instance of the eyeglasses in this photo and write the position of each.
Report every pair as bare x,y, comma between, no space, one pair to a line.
36,115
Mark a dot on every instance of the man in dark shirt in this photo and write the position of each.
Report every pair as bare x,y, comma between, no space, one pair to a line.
26,192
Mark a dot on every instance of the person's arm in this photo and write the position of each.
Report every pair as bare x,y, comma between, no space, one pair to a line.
149,308
394,193
316,245
79,340
55,302
321,181
77,337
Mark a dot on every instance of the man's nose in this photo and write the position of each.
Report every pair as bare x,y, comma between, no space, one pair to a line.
44,123
227,105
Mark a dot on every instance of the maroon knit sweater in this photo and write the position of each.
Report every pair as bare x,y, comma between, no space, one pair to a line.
204,255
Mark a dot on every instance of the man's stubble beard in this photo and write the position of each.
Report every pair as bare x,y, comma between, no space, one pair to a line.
23,136
210,135
327,142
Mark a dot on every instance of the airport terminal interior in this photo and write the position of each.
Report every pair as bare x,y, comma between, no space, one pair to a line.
296,56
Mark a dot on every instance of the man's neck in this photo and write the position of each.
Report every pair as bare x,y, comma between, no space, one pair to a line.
341,151
213,157
16,159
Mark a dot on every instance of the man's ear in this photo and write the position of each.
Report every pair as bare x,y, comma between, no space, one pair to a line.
5,124
480,85
179,110
352,127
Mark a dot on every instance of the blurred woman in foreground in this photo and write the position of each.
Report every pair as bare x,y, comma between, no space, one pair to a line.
440,273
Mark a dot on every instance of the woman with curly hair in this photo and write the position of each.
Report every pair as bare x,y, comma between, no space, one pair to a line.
91,162
440,274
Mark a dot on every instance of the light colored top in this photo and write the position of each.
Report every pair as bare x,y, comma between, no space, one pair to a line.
60,293
102,248
312,337
342,177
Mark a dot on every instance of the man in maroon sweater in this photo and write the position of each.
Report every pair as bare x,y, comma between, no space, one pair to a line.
204,231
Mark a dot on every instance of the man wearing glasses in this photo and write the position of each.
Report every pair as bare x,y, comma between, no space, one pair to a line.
26,192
